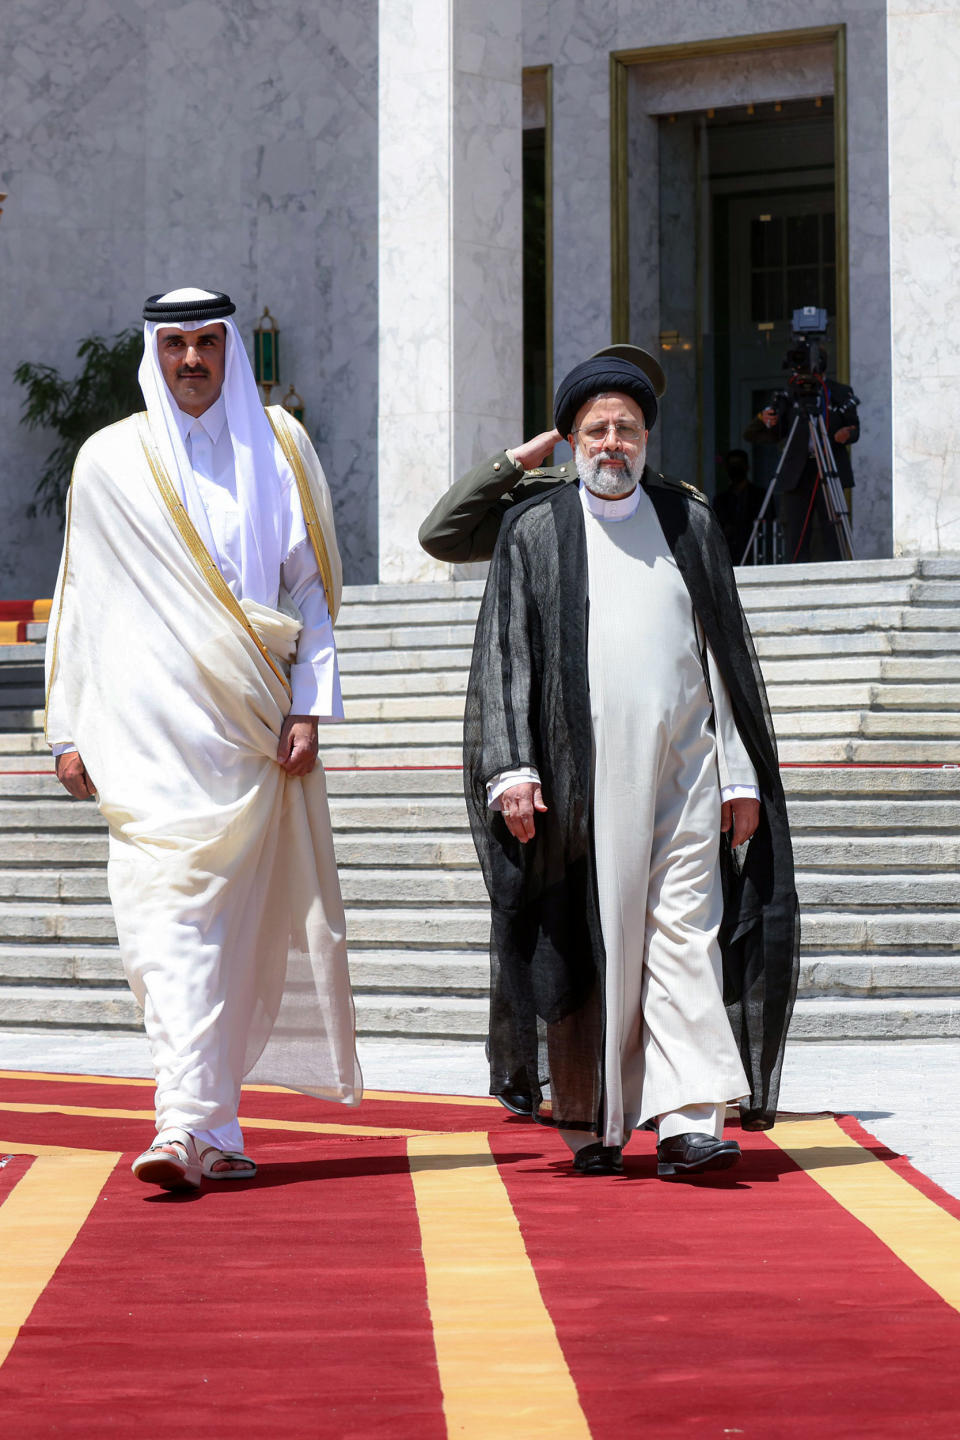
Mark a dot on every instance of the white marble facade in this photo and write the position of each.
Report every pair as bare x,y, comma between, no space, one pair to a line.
228,143
923,79
356,166
450,246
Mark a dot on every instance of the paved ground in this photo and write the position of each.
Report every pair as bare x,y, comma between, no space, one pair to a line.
902,1091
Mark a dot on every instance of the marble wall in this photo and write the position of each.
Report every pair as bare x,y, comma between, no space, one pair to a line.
923,79
154,143
450,246
576,37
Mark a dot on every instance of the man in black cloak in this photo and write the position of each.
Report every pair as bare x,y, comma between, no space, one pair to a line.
623,788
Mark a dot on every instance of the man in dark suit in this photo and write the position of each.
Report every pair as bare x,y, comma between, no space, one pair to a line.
808,533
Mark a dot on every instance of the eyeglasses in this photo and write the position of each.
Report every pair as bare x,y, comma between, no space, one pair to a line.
626,433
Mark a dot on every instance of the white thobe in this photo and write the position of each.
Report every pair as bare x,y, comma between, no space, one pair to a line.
315,672
198,1025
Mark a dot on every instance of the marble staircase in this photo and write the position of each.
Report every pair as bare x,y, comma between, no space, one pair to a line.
863,670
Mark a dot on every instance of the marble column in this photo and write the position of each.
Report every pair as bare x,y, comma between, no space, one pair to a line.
450,256
923,79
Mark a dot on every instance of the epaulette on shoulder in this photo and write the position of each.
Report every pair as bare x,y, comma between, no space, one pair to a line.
691,490
550,472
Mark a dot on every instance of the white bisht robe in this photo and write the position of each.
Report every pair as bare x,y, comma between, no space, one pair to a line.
658,773
221,867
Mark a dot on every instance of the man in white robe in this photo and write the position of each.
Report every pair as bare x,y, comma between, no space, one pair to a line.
670,774
190,660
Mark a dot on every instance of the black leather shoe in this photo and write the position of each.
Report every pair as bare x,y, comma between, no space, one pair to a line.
599,1159
518,1102
691,1154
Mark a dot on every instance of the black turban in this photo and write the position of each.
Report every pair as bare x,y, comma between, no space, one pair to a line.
596,377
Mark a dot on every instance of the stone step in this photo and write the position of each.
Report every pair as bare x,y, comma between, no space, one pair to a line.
935,781
22,697
809,596
413,889
859,853
845,695
68,1007
437,972
914,1018
880,975
815,815
829,890
466,1016
25,762
857,642
830,812
356,748
836,932
868,724
389,614
875,668
56,849
405,637
799,779
467,971
876,752
388,662
383,684
19,743
396,1013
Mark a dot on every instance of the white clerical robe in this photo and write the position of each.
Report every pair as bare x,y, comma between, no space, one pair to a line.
669,1045
221,866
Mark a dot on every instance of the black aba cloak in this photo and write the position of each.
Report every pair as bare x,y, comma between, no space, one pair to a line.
528,704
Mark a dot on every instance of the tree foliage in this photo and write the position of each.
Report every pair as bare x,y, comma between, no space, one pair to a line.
105,390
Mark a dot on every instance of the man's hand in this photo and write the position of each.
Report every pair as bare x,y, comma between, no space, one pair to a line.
518,805
297,750
72,774
533,452
742,816
769,417
843,435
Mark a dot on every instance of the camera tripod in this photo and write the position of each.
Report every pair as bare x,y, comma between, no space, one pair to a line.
828,481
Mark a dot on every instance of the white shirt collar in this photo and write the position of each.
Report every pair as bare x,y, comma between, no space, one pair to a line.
620,509
212,420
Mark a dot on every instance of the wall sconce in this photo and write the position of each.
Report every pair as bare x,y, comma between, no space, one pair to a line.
266,353
293,404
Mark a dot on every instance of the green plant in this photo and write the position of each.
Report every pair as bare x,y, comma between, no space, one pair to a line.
105,390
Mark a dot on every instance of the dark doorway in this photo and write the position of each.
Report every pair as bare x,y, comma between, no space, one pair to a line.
536,396
747,235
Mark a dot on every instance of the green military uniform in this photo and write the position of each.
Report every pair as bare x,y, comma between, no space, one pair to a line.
465,522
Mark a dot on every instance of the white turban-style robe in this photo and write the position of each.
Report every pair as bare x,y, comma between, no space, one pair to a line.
221,866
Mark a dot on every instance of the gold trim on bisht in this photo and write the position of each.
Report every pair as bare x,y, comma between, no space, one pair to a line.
198,551
56,629
280,427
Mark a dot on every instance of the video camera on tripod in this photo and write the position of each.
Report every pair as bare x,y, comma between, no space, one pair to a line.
803,400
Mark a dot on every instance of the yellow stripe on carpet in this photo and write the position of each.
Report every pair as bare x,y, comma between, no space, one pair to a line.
921,1234
39,1221
415,1097
502,1370
248,1122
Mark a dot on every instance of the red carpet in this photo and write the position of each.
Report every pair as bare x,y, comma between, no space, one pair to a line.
296,1305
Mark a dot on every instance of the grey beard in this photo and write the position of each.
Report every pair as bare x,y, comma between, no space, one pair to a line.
600,481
